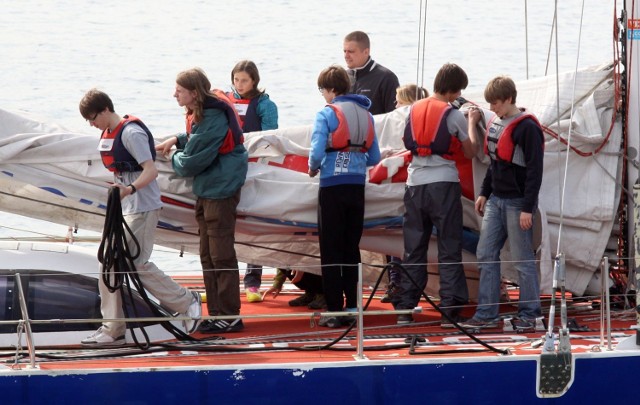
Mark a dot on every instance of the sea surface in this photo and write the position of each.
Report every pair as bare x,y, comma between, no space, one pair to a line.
53,51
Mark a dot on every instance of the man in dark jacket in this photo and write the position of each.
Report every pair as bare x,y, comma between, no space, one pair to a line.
369,78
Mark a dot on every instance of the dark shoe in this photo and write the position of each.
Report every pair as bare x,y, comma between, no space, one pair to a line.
447,324
318,302
404,319
474,323
221,326
330,321
522,324
392,290
303,300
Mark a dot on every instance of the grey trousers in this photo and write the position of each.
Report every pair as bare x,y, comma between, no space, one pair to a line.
170,294
427,206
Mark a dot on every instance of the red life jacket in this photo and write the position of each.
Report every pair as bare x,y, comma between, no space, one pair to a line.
250,121
234,135
498,140
355,130
429,133
115,157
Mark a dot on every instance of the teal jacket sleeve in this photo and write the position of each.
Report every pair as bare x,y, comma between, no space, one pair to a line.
202,147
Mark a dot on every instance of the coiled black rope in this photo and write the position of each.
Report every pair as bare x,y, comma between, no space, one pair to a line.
114,253
118,269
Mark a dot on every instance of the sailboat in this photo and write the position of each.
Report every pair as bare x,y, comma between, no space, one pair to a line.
585,244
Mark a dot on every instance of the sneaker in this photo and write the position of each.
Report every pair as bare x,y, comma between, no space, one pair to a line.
474,323
221,326
404,319
303,300
447,324
194,312
100,339
253,294
318,302
523,324
392,290
330,321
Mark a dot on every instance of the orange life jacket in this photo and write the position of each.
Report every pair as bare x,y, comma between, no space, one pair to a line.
355,130
498,140
234,135
115,157
429,133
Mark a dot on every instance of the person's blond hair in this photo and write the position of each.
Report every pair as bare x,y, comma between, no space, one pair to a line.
410,93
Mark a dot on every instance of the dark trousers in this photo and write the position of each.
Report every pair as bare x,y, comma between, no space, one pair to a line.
340,222
427,206
309,283
216,225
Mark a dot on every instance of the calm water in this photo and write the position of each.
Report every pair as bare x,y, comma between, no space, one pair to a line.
54,50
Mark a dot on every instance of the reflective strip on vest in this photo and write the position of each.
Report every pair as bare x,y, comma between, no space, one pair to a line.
499,139
355,130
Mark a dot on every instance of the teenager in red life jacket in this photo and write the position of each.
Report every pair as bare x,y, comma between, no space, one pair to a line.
127,150
435,133
343,144
211,151
507,201
257,113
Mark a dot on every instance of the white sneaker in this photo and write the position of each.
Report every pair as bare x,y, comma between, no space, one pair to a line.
100,338
194,312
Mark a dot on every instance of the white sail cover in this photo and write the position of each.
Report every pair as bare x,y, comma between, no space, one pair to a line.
50,173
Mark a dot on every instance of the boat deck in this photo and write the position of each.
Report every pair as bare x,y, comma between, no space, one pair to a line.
283,357
278,334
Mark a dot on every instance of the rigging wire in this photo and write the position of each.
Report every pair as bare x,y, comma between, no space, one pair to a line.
570,130
422,44
553,28
526,37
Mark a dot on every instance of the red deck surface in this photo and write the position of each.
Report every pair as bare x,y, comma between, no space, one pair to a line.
272,340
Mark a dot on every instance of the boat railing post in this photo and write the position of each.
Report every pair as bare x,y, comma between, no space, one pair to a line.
607,300
360,354
27,322
603,286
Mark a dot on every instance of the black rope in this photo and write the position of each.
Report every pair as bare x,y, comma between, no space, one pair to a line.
113,252
433,304
118,269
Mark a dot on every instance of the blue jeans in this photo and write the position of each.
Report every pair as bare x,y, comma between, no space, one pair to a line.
501,220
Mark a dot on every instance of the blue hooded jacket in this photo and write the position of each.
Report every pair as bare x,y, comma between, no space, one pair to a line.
340,167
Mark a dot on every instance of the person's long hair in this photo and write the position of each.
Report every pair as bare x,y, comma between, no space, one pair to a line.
196,80
251,69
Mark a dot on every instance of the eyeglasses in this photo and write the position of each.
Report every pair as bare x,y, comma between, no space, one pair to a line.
320,89
94,118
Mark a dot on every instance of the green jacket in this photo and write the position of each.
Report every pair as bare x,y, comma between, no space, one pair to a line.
215,175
